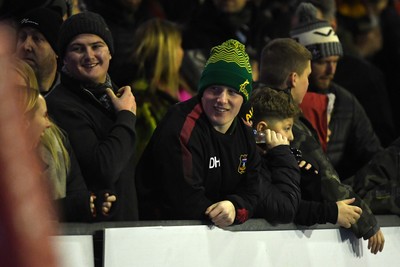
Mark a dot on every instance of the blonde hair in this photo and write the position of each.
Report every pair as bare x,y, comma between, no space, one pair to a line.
155,52
30,94
53,138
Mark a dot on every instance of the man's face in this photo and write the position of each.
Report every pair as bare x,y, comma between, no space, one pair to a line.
221,105
300,85
230,6
34,49
87,58
323,71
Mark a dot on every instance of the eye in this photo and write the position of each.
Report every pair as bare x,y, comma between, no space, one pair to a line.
76,48
214,89
37,38
97,46
232,92
22,36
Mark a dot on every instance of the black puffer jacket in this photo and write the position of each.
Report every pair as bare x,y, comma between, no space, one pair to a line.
280,186
353,141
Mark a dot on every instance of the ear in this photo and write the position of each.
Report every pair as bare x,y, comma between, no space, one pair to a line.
292,80
26,123
334,24
262,126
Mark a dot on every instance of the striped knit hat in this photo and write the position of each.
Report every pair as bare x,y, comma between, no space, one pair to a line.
228,65
316,35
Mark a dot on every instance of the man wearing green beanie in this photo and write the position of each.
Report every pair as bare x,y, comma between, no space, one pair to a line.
201,162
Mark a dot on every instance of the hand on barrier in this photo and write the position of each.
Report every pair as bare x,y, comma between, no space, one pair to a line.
376,242
222,213
347,214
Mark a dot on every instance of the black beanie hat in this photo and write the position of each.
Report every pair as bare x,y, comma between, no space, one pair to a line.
46,21
84,22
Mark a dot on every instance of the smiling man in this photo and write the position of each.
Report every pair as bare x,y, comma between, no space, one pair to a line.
100,124
201,162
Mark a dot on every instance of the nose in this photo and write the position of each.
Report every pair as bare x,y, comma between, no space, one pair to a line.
331,67
89,52
223,96
291,136
48,123
27,44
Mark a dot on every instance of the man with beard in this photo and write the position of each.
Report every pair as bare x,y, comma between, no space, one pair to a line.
343,128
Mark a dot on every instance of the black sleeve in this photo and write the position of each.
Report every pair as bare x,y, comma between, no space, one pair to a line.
313,212
76,205
280,186
105,158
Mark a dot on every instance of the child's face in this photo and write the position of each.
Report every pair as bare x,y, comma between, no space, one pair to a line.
284,127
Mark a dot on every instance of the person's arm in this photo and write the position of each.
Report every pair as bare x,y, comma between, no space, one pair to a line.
314,212
280,181
182,158
177,169
103,156
331,187
247,193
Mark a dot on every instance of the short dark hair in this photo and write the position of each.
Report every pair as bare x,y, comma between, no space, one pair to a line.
279,58
271,104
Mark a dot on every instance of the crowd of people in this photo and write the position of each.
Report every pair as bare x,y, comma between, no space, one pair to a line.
211,110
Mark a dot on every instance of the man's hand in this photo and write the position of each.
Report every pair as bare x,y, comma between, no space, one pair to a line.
307,166
222,213
124,100
376,242
107,204
347,214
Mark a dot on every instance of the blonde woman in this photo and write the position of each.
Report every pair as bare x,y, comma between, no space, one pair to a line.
158,53
59,165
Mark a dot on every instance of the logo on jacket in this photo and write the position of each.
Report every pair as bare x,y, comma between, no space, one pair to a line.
242,164
214,163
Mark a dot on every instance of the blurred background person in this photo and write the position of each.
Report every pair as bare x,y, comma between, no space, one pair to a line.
158,84
37,45
26,214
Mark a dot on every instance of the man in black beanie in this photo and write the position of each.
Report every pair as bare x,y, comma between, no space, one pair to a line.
98,117
37,45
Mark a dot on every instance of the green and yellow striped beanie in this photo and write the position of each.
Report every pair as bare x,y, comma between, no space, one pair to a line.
228,65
